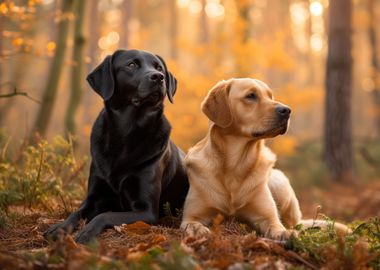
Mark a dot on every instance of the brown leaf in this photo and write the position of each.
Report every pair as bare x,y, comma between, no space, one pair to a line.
138,227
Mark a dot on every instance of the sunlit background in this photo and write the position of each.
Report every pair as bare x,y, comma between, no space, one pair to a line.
282,42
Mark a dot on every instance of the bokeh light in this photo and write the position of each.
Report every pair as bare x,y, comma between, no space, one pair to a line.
316,8
214,9
316,42
298,12
113,38
195,6
183,3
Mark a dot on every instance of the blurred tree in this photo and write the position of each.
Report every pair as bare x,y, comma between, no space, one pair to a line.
338,131
242,30
375,69
204,29
21,58
127,13
1,66
77,69
1,50
244,7
93,34
49,94
173,26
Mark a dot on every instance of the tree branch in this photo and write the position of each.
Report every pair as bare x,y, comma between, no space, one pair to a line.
17,93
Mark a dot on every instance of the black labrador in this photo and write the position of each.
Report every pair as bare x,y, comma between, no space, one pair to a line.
135,167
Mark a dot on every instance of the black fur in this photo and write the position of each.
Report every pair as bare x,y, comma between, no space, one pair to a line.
135,167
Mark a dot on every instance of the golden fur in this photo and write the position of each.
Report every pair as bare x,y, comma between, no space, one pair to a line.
231,170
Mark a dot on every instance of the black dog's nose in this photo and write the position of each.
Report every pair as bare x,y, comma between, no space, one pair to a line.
283,111
157,77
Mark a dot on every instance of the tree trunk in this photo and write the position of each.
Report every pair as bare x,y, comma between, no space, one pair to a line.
244,7
48,99
374,62
338,131
173,29
204,30
77,70
93,35
127,11
242,32
1,69
1,52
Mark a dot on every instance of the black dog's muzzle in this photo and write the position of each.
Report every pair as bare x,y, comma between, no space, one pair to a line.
152,90
147,96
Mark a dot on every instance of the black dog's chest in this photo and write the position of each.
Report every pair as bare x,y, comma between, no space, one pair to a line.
119,161
128,182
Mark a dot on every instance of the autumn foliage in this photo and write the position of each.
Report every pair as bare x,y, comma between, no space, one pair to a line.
281,42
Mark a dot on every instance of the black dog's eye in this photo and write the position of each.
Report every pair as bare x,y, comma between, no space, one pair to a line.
251,96
132,65
158,67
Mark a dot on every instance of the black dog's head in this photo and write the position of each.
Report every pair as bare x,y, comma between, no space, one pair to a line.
133,77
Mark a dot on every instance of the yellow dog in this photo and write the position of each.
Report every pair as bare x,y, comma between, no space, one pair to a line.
231,170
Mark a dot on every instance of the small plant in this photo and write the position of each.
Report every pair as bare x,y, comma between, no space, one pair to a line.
167,210
361,248
46,175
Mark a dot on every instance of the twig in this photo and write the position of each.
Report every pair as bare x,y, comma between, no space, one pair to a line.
280,242
64,203
4,150
16,93
317,211
290,253
302,260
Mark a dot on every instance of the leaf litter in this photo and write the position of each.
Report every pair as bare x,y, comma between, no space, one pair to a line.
232,245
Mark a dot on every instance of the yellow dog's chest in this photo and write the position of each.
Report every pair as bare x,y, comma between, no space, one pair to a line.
232,194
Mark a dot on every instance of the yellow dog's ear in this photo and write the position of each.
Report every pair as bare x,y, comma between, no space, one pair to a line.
216,105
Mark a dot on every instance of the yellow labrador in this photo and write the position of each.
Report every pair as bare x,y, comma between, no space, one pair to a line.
231,170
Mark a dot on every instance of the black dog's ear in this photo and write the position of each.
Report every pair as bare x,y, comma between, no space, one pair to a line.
170,80
102,79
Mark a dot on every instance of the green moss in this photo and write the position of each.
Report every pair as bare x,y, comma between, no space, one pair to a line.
323,244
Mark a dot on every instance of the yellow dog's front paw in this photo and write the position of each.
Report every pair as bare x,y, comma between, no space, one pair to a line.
281,234
195,229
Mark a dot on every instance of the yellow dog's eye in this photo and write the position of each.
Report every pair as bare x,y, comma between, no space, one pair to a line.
251,96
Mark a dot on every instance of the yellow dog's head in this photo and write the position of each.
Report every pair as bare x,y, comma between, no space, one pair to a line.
246,107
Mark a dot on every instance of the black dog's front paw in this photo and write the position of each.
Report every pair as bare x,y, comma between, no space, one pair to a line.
56,230
91,230
85,236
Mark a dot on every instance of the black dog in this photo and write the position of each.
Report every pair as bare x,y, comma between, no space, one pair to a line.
135,167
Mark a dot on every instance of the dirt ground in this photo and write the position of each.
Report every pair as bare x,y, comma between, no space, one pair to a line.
231,246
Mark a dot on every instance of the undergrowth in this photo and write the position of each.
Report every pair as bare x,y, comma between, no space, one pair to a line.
355,251
40,176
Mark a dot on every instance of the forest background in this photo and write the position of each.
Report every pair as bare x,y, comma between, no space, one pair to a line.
320,57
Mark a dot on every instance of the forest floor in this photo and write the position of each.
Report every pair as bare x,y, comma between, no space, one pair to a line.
40,184
232,245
